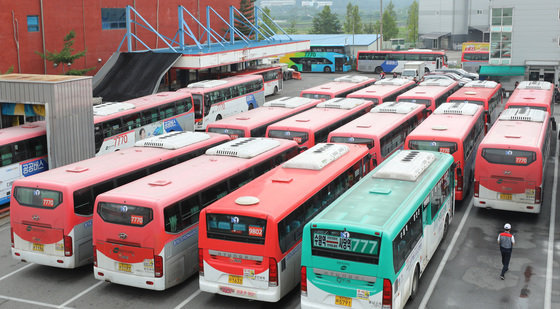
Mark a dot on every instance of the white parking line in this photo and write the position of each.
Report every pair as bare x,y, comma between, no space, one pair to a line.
439,270
549,260
21,300
16,271
186,301
81,294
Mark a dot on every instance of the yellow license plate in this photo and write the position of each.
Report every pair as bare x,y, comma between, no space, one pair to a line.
125,267
235,279
343,301
38,247
505,197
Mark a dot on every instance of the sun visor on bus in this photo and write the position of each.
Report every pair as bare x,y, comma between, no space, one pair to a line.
352,78
458,108
407,165
173,140
244,147
317,157
110,108
523,114
341,103
481,84
288,102
536,84
393,81
395,107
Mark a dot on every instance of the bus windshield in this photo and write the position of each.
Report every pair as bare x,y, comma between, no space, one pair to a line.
445,147
509,156
236,228
343,245
40,198
299,137
352,140
125,214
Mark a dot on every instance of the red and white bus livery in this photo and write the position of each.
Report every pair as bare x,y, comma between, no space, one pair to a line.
146,232
51,212
482,92
430,93
339,88
383,130
384,90
250,241
533,94
510,162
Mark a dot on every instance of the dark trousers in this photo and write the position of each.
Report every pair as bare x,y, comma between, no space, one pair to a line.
506,255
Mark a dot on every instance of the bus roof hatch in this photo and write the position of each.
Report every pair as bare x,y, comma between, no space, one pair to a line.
457,108
395,107
173,140
341,103
523,114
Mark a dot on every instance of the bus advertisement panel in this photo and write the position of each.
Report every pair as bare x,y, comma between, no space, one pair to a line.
146,232
482,92
253,123
388,61
384,90
369,248
510,161
217,99
430,93
383,130
250,241
533,94
51,213
457,129
339,88
313,126
317,62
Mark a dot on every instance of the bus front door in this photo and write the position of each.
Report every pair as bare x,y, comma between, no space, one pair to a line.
339,64
306,65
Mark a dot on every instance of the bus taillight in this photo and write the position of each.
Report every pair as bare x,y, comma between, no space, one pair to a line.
12,236
94,256
476,187
158,266
537,195
303,281
272,272
200,262
68,246
387,294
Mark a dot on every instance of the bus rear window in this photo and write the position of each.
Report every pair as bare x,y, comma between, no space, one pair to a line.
417,101
316,96
445,147
39,198
236,228
509,156
344,245
234,133
475,56
352,140
124,214
467,101
299,137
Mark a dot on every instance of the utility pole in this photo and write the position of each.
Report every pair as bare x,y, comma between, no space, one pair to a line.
381,23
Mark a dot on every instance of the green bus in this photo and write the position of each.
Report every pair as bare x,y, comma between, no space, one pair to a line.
372,244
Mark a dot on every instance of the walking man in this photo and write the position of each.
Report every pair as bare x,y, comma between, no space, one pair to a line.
506,242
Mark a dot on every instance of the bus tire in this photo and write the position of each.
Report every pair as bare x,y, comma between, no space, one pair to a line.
414,285
294,67
426,70
378,70
327,69
275,90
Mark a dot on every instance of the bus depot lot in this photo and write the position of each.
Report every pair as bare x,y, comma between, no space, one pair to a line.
465,268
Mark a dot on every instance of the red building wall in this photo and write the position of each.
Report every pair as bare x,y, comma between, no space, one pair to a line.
84,17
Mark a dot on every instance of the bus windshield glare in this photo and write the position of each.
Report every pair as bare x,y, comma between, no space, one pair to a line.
236,228
125,214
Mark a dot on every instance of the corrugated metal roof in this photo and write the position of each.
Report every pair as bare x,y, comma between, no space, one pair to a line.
335,39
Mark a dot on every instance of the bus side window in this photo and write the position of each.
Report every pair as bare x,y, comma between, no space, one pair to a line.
214,193
83,202
6,155
21,151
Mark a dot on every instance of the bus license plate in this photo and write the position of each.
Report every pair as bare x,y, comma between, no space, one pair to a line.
235,279
125,267
38,247
343,301
505,197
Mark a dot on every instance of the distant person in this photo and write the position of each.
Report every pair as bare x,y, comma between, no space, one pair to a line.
506,242
414,79
382,75
395,75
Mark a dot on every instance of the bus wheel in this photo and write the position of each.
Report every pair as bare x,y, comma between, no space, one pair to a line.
378,70
414,287
327,69
294,67
275,90
426,70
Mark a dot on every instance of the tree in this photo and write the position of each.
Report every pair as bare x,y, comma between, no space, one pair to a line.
326,22
353,22
246,8
413,22
292,28
389,19
65,56
369,28
268,22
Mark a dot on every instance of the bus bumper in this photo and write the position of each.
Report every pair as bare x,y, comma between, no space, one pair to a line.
44,259
272,294
507,205
149,283
317,298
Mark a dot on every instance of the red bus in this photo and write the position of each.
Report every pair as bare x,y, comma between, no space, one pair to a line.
430,93
533,94
471,60
457,129
388,61
510,162
384,90
339,88
250,241
383,130
313,126
253,123
146,232
51,212
482,92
